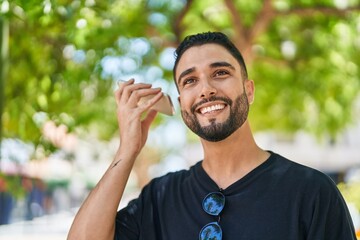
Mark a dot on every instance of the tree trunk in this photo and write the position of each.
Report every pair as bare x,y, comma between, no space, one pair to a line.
4,43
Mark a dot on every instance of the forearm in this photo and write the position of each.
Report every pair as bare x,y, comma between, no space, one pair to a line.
96,217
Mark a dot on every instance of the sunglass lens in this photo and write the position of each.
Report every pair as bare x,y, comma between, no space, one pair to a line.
214,203
211,231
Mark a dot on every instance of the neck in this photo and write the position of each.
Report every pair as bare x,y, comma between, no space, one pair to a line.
229,160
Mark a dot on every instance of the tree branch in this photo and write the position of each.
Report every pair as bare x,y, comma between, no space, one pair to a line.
177,28
261,24
308,12
263,20
241,38
240,30
244,37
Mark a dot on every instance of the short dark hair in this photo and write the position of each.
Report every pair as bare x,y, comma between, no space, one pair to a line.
205,38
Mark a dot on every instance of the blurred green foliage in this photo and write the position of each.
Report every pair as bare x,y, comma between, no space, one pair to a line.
351,192
303,55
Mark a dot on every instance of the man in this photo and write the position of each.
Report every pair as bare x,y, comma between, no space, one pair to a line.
238,191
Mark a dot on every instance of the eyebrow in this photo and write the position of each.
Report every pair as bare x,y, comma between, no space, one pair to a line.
212,65
186,72
222,64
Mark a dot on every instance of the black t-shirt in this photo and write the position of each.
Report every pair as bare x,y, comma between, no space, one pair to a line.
278,200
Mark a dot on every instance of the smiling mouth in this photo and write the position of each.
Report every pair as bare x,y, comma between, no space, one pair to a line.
212,108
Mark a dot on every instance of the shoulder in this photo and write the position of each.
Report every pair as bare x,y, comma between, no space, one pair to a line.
172,180
159,187
306,176
313,189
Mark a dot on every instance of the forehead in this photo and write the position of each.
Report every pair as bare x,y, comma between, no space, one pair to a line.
203,56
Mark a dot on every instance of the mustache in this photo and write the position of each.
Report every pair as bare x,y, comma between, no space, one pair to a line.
211,99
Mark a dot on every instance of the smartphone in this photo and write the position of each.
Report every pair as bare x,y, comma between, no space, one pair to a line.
164,105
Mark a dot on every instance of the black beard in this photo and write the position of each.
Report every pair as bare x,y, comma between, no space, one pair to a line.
216,132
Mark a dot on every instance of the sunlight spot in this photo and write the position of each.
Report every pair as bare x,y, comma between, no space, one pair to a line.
81,23
69,51
47,7
167,59
5,6
153,73
139,46
128,64
61,10
281,5
157,19
288,49
111,65
90,3
79,56
106,23
341,4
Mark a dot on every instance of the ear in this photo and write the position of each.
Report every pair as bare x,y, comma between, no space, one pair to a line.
250,90
179,100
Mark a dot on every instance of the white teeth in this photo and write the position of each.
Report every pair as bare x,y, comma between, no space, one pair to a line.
212,108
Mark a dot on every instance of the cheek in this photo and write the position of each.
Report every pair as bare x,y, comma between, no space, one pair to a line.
183,103
185,100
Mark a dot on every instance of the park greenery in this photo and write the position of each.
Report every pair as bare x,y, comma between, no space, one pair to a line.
64,56
60,60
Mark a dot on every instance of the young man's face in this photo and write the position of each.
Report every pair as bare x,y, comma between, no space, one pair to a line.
214,98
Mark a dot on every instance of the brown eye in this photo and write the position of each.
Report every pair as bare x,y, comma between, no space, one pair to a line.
188,81
220,73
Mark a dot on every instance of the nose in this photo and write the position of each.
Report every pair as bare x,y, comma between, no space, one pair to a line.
207,90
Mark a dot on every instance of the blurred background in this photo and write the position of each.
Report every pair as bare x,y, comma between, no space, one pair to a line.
61,59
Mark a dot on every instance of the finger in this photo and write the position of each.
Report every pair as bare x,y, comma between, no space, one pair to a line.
149,101
149,119
121,85
136,91
117,95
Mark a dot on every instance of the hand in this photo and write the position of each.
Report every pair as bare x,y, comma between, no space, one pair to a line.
133,128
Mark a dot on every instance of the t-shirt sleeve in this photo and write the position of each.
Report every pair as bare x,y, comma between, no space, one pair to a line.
329,215
127,221
134,221
141,218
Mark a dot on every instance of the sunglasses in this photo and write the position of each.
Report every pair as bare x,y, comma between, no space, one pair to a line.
212,204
